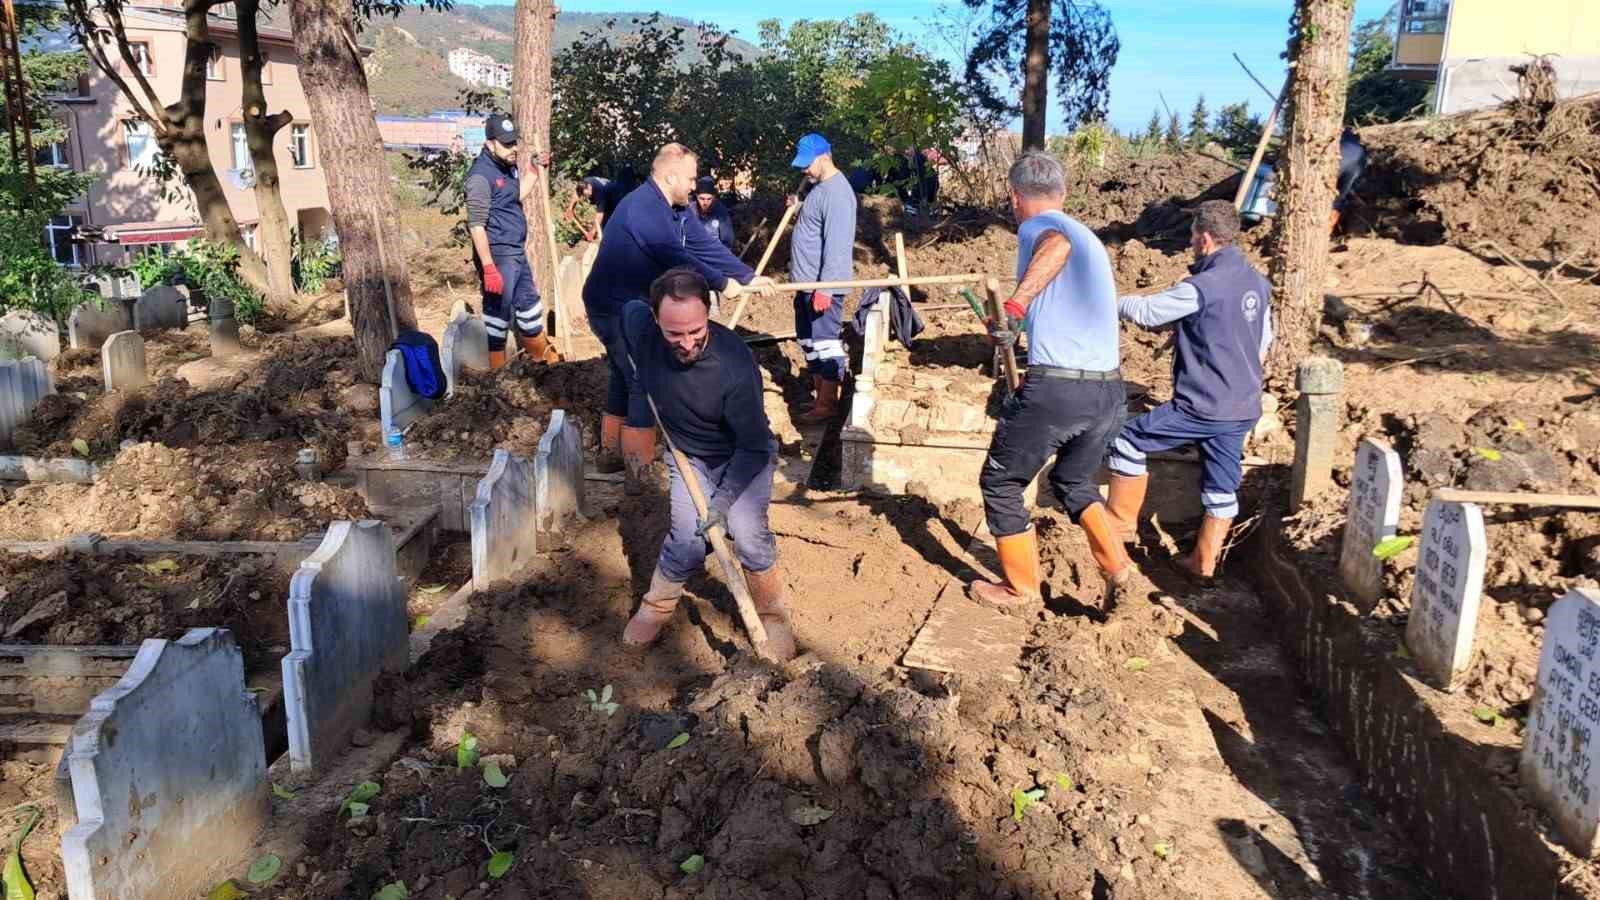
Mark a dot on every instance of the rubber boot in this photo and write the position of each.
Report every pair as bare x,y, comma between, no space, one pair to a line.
497,358
655,610
1202,561
539,348
638,453
1107,550
1122,507
766,589
826,407
1333,222
1019,563
610,458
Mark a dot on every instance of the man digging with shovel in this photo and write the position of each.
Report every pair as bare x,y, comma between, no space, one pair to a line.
706,390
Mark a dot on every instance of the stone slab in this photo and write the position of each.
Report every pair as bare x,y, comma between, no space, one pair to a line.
1447,590
90,324
25,333
558,475
122,362
114,287
397,405
504,520
169,760
465,346
22,383
347,625
963,637
48,471
1560,762
1372,515
161,306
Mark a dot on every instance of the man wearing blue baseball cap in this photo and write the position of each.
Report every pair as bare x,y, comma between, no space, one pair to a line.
822,249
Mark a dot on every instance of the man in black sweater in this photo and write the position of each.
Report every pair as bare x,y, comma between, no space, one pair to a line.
707,392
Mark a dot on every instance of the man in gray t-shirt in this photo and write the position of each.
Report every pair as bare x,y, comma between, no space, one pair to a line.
822,249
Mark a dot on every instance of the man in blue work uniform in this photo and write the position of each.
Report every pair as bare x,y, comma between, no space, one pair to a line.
604,194
650,233
498,229
1073,397
711,214
822,249
707,389
1352,165
1224,327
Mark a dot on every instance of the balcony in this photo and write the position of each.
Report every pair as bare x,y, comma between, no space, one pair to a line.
1419,45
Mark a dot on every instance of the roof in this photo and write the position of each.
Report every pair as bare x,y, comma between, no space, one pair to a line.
229,26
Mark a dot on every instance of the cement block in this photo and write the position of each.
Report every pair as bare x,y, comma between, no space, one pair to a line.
558,475
122,362
1316,430
465,345
1559,763
397,405
347,625
90,324
24,333
504,520
162,306
22,384
167,762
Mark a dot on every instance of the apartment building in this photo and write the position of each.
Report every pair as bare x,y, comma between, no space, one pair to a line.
480,69
126,210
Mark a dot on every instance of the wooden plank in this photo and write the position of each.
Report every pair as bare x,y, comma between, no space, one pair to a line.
35,734
1515,498
963,637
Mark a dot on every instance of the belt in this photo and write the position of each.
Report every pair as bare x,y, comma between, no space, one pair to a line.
1075,374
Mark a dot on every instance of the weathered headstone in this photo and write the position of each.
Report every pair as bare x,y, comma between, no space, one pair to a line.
397,405
114,287
1449,584
558,474
1373,514
1316,428
169,758
347,625
465,345
504,520
1559,756
25,333
122,362
22,383
90,324
161,306
224,328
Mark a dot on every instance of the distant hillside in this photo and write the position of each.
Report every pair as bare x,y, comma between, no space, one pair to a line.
408,68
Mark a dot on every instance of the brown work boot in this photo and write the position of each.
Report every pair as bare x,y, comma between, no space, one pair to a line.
609,459
1019,563
638,454
1201,563
766,590
539,349
1108,552
1122,507
826,407
655,610
497,358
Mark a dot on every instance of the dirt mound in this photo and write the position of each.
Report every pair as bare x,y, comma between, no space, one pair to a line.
510,407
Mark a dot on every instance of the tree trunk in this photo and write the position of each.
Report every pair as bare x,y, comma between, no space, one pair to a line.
1307,171
530,105
357,174
260,128
1036,75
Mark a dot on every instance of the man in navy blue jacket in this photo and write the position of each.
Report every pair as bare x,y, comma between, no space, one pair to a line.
707,390
710,212
650,232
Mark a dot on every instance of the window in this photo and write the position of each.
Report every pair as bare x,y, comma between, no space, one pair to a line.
58,235
214,66
141,56
248,232
53,155
241,147
300,146
141,143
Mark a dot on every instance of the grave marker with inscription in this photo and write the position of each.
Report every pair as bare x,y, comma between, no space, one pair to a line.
1449,584
1374,514
1558,749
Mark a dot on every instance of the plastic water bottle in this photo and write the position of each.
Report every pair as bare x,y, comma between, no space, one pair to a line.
394,440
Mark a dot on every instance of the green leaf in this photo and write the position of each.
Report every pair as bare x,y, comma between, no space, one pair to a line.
264,869
605,694
1488,716
500,863
365,791
493,777
419,623
18,887
810,815
1402,651
467,751
227,890
1021,800
432,588
1137,664
392,891
1489,453
1390,547
679,741
1162,850
161,567
590,695
80,447
281,792
358,810
693,865
1063,782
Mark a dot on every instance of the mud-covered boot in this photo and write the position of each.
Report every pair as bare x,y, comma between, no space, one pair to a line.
1019,563
826,407
609,460
539,348
655,610
1201,563
1123,505
1107,549
638,454
766,591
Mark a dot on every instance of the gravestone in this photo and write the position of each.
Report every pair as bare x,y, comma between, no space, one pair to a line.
169,759
114,287
465,345
1449,585
224,328
22,383
1559,764
122,362
397,405
162,306
1373,514
24,333
503,520
1316,428
558,475
90,324
347,625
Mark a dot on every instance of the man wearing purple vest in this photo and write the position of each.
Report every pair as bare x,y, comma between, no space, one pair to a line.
1224,326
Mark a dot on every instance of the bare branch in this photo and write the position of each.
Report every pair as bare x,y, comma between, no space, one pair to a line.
87,33
119,31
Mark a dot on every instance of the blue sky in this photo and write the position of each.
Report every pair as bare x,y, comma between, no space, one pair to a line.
1179,48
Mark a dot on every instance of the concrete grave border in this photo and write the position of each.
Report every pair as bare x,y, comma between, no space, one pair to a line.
503,518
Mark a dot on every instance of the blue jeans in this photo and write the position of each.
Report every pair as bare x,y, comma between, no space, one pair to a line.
523,297
683,553
621,398
821,336
1166,427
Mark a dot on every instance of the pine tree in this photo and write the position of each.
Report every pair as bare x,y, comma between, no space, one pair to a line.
1199,119
1152,131
1174,132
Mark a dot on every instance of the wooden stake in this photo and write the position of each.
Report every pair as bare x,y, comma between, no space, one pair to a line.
1571,501
1008,354
1261,147
921,280
900,257
388,292
563,329
754,233
744,299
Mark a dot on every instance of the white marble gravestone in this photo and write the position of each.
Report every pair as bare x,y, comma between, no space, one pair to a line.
1373,514
1449,585
1559,765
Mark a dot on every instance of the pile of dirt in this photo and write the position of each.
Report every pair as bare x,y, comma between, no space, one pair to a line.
509,408
151,490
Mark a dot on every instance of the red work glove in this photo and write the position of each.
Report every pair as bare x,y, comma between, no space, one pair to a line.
492,282
820,302
1015,310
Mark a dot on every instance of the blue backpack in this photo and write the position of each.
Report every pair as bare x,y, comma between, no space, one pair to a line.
424,371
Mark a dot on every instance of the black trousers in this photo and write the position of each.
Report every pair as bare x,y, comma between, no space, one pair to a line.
1066,420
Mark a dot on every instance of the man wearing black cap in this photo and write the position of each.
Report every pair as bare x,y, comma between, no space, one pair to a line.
498,228
711,214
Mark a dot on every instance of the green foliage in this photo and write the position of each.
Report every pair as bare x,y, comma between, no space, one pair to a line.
602,703
901,104
357,803
500,863
1390,547
1082,49
1174,136
1234,128
467,751
312,264
493,777
210,267
1152,130
17,885
693,865
1377,96
1023,800
264,869
395,890
1199,121
678,741
1090,143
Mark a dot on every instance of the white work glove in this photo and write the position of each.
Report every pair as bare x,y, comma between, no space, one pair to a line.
761,284
733,291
